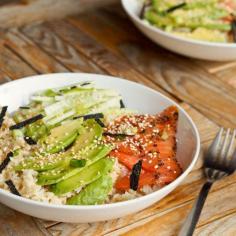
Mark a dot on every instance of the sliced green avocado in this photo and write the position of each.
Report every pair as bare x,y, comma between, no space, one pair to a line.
92,131
48,162
62,136
84,177
94,193
44,163
52,177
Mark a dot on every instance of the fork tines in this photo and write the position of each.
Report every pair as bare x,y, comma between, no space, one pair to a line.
222,153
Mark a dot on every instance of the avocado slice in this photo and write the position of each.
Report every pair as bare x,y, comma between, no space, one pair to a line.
62,136
52,177
92,131
84,177
47,162
94,193
44,163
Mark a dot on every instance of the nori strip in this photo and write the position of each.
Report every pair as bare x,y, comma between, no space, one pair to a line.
233,25
171,9
29,140
134,177
26,122
73,87
85,83
24,108
100,123
2,114
145,5
6,161
12,187
90,116
118,134
122,105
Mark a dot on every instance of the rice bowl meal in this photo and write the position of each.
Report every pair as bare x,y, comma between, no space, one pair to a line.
211,20
80,145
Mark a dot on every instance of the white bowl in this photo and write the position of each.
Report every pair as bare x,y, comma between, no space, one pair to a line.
187,47
146,100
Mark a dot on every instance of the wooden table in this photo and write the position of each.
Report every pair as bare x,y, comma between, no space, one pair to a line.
104,41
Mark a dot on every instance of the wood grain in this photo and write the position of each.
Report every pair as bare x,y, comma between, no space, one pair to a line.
98,54
12,65
17,224
214,209
27,11
177,75
4,78
222,226
228,76
60,50
34,56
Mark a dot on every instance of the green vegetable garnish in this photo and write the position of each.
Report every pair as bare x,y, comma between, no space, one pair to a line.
77,163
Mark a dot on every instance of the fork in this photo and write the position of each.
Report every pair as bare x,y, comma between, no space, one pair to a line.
220,161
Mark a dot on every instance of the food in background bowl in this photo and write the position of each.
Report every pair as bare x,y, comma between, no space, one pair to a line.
79,145
212,20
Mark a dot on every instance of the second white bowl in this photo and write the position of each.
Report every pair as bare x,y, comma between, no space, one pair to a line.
187,47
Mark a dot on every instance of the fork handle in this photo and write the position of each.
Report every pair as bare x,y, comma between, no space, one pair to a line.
192,219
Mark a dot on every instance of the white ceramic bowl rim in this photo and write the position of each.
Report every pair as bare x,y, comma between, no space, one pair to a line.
167,34
110,205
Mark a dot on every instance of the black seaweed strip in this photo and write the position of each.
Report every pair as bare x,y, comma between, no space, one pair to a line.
234,29
100,123
175,7
86,83
26,122
6,161
26,108
90,116
12,187
134,177
118,134
2,114
142,12
30,141
122,105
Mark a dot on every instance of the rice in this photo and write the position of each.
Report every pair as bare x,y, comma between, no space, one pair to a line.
26,181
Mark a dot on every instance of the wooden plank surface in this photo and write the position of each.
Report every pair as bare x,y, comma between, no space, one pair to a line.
104,41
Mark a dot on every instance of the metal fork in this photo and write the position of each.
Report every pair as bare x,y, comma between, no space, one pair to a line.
220,161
